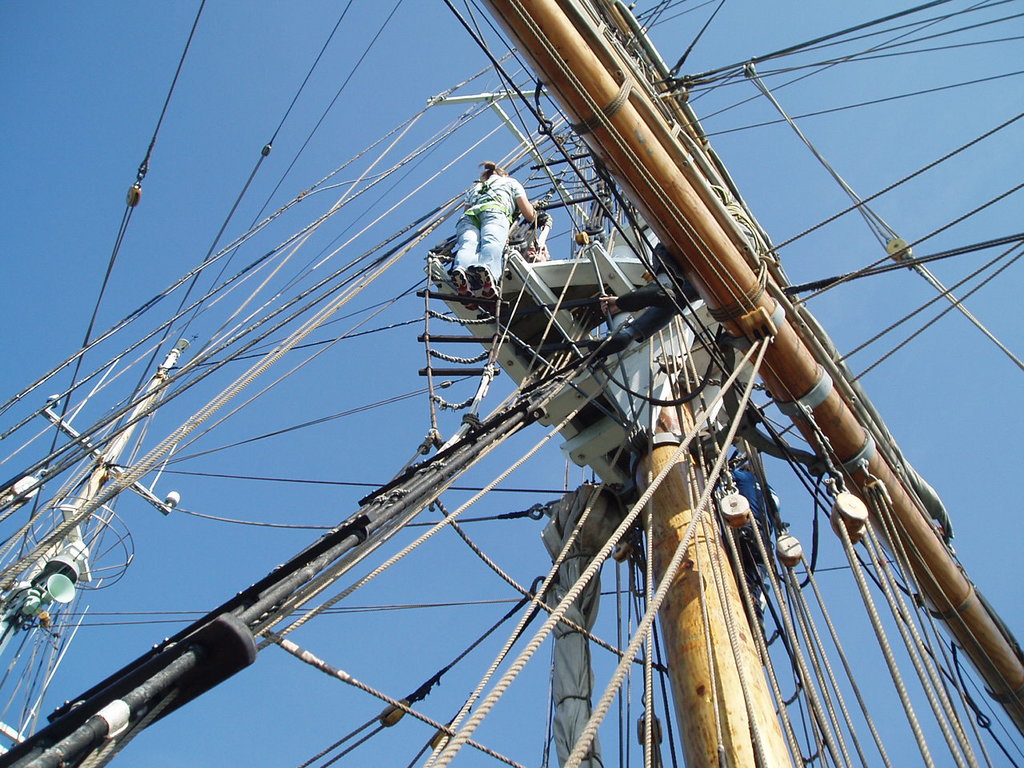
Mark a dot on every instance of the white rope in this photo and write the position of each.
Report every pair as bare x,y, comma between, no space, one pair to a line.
557,614
883,642
134,474
502,685
933,689
295,603
674,564
314,661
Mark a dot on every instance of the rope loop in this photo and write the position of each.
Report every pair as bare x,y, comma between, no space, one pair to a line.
455,359
445,405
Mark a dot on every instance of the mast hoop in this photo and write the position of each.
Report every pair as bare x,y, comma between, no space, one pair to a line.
1008,697
810,399
862,457
954,612
666,438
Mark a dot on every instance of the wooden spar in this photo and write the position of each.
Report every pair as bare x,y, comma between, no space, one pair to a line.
624,126
718,683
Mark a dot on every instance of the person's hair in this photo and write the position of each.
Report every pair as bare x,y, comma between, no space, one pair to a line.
491,169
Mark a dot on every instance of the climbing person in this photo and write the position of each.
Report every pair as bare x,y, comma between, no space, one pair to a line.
764,507
491,206
660,298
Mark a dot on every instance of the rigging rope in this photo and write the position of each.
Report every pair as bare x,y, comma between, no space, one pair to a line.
859,104
445,756
902,181
870,271
157,453
264,153
883,232
134,194
341,88
672,568
317,588
148,305
940,315
303,655
408,243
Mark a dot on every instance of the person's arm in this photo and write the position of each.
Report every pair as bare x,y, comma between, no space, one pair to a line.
526,207
651,295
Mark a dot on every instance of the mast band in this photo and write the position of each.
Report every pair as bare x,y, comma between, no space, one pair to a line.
863,456
812,398
666,438
955,611
116,715
588,125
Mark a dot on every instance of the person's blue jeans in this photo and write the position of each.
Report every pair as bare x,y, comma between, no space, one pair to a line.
483,244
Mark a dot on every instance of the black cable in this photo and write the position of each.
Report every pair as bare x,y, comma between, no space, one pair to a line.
980,717
651,15
67,451
859,104
322,342
923,24
800,46
661,20
522,98
931,302
330,106
264,153
669,712
361,741
859,204
627,209
435,679
353,483
869,54
130,207
339,742
826,282
689,49
689,397
879,52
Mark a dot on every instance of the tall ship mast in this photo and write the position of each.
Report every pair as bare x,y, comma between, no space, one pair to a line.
738,564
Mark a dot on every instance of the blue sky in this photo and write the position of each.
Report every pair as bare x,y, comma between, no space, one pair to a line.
83,85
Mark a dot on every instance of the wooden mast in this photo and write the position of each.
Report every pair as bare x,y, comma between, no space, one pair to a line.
626,129
722,702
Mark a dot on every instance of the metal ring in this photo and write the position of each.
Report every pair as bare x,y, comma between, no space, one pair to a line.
864,455
811,399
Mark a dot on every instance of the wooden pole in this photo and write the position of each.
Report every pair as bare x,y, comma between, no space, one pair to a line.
722,701
628,131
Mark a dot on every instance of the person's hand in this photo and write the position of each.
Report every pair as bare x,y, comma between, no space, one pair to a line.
609,305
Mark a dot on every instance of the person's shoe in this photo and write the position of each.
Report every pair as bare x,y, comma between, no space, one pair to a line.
482,275
474,277
461,283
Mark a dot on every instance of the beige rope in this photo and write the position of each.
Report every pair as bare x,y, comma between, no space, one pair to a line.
294,604
314,661
488,703
654,605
